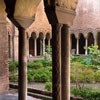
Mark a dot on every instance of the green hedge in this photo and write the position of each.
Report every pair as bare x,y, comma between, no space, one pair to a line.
86,93
43,74
38,70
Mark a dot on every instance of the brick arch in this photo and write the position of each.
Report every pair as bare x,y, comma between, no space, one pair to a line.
34,35
73,43
31,46
81,43
41,35
48,35
90,39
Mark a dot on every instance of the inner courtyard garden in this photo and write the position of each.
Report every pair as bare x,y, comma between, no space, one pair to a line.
84,74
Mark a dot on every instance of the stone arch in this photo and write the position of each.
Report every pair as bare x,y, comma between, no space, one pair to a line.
81,44
47,41
40,44
73,43
90,39
31,44
41,35
34,35
98,39
47,38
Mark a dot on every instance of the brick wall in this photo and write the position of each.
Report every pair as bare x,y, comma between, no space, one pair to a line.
4,75
87,14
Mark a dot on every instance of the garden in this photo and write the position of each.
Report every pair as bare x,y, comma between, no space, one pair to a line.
85,73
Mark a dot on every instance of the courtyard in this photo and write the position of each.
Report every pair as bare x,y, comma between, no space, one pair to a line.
50,47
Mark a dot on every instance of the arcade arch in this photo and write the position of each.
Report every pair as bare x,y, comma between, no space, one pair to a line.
81,44
73,43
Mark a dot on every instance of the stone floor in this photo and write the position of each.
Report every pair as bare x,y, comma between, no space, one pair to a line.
10,96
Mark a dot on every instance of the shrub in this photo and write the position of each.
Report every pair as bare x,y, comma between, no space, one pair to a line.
34,65
97,76
48,86
86,93
13,65
42,75
81,74
14,77
30,75
46,63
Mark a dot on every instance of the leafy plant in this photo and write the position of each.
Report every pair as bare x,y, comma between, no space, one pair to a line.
48,86
42,75
13,65
35,65
86,93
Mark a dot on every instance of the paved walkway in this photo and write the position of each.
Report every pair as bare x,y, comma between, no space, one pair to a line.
10,96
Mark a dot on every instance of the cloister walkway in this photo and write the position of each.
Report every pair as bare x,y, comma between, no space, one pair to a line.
10,96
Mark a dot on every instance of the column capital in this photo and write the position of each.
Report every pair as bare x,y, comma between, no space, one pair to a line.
58,14
2,12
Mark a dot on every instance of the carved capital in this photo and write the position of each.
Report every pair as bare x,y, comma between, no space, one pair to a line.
69,4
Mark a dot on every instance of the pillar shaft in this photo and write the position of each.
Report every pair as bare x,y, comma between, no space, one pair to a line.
56,61
49,45
77,47
28,47
95,41
35,47
65,62
86,45
48,42
43,46
13,43
22,65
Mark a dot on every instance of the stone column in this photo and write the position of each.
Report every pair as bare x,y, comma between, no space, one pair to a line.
65,62
13,49
95,41
43,46
48,42
77,47
35,47
49,45
22,64
28,47
56,61
86,45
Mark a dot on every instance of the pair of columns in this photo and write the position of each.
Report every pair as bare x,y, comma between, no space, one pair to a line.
86,45
61,62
